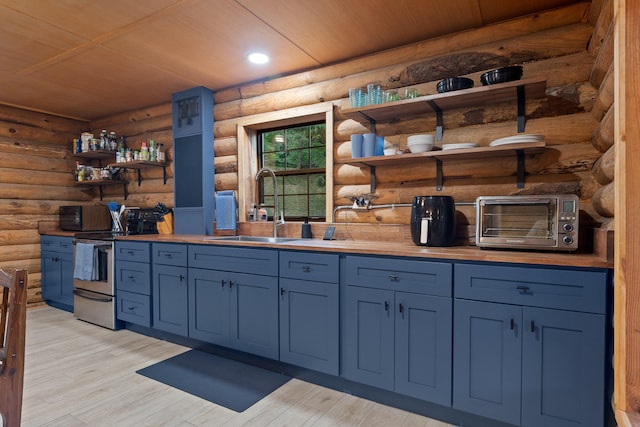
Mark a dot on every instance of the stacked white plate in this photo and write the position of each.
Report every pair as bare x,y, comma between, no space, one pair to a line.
459,146
517,139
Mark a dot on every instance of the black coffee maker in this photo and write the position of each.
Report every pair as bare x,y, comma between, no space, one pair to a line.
433,221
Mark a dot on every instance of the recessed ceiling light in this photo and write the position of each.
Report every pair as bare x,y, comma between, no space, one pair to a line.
258,58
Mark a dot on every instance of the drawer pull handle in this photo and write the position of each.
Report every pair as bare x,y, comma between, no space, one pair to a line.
306,269
167,255
130,252
222,282
132,278
181,278
533,326
281,291
401,308
394,277
512,324
230,283
523,289
386,306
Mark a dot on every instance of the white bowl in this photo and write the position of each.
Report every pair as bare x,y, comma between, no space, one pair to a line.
421,138
420,146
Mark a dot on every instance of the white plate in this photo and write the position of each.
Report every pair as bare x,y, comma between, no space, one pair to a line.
517,139
459,146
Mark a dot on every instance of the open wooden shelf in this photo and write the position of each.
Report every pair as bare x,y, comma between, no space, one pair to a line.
439,156
142,164
440,102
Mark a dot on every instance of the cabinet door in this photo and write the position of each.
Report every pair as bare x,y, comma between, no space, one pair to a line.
209,306
562,370
309,325
66,279
170,297
423,326
51,276
487,357
369,333
254,314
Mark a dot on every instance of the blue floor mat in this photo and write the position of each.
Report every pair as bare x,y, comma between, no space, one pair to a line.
226,382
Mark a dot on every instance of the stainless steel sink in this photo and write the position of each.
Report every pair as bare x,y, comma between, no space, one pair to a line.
261,239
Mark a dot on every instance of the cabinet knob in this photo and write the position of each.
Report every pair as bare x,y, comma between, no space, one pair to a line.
306,268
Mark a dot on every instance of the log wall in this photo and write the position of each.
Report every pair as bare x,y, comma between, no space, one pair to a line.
36,176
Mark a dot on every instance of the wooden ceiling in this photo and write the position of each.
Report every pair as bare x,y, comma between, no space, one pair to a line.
90,59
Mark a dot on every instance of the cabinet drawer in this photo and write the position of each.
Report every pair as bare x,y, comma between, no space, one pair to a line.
310,266
133,277
577,290
57,243
424,277
133,251
169,254
134,308
240,260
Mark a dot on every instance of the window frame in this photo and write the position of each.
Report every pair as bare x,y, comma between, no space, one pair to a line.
247,137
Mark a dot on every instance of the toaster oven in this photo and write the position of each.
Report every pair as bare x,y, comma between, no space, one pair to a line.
528,222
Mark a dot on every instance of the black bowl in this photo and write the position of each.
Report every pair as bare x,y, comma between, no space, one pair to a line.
501,75
454,83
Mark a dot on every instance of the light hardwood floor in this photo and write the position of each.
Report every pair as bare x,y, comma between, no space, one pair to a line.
79,374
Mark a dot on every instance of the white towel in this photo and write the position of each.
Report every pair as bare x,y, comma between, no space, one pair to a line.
85,262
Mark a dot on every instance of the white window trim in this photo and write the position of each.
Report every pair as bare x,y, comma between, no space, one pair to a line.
248,128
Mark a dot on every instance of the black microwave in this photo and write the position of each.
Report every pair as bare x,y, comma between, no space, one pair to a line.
85,218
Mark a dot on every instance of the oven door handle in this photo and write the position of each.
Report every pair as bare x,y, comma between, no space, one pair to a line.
88,295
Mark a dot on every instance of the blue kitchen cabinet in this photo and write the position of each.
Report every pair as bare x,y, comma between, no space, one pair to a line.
488,359
398,322
244,284
309,311
57,264
209,303
369,336
170,288
524,359
133,282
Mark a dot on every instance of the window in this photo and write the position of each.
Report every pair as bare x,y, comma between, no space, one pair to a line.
297,155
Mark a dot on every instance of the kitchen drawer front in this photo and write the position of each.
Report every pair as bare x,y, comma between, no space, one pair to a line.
134,308
133,277
576,290
240,260
169,254
56,243
424,277
310,266
133,251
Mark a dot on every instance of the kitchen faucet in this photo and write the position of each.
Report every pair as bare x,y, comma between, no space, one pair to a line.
276,222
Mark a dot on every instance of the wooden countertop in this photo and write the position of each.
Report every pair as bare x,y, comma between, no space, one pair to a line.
400,249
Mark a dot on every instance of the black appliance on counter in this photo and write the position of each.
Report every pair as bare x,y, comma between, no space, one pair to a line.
142,221
433,221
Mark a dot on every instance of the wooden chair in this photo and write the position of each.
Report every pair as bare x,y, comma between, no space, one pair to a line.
13,322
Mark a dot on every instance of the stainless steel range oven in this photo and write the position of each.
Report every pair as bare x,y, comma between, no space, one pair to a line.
94,297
